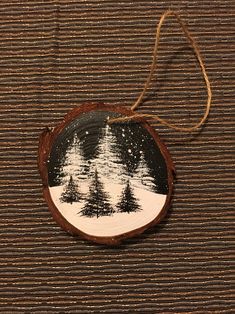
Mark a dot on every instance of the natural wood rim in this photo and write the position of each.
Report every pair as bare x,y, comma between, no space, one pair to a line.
46,141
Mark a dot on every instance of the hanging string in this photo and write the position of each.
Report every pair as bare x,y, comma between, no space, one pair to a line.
150,75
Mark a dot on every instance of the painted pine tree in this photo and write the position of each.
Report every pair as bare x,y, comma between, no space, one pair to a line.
97,203
128,202
142,177
108,160
74,163
70,193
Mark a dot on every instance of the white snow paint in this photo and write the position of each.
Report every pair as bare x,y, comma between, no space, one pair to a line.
108,163
74,161
142,177
118,223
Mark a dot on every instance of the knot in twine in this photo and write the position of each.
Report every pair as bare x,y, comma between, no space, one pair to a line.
197,53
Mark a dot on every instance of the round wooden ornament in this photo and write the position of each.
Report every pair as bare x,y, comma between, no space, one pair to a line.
105,182
110,181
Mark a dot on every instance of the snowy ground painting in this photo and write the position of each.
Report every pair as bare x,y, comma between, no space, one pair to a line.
118,223
107,180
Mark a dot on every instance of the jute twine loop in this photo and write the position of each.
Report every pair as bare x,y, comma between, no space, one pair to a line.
193,44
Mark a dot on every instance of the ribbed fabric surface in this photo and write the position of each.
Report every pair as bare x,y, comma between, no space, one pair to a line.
55,55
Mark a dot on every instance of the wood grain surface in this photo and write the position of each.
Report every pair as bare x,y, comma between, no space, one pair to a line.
55,55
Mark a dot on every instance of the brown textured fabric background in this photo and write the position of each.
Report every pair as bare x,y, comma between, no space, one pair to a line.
57,54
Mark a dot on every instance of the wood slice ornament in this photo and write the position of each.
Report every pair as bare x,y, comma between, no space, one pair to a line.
105,182
106,174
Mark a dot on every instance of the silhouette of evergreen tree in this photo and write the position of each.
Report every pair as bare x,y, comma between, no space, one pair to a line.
128,202
70,193
97,203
